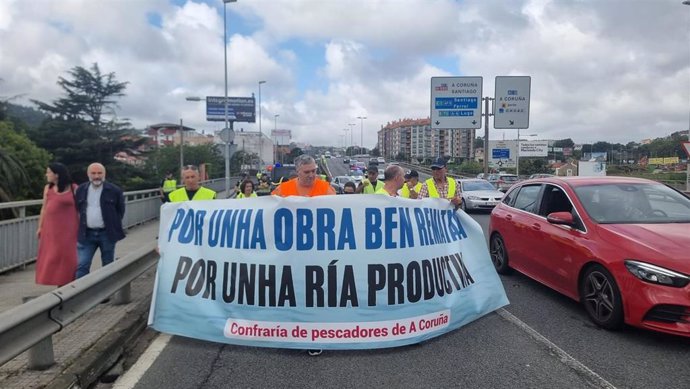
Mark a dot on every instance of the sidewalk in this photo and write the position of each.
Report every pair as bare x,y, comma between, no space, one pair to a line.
84,347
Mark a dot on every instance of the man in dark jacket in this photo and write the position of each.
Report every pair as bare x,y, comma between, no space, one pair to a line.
101,208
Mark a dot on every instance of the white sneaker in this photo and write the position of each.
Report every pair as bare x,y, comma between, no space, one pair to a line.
314,353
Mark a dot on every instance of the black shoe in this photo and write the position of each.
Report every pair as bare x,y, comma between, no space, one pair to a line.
314,353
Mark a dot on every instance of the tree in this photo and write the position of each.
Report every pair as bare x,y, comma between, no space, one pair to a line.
88,94
22,165
294,153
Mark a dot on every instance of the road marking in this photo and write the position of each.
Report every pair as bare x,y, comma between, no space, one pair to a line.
565,358
134,374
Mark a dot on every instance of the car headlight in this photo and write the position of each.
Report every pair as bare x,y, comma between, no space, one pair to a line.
655,274
473,197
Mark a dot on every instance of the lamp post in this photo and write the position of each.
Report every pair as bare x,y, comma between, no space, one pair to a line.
346,130
261,134
275,147
361,130
352,132
517,158
228,125
181,147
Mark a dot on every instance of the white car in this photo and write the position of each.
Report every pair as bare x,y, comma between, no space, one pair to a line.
479,194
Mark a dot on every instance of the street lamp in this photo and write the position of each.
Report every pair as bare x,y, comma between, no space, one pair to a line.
261,134
228,127
361,130
352,132
517,158
346,130
275,146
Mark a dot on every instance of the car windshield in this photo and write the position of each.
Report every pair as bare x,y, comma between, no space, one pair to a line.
634,203
344,179
469,186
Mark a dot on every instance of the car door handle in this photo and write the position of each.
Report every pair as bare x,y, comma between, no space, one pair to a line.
536,226
509,217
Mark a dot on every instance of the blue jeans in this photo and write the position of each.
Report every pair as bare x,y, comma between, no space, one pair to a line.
95,239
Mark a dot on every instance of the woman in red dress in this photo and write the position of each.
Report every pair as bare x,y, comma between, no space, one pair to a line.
58,224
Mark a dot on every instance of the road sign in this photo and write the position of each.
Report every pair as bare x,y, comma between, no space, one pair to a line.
686,148
240,109
456,102
534,149
227,135
500,153
511,108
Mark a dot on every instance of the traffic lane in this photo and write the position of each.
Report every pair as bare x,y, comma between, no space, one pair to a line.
627,358
490,352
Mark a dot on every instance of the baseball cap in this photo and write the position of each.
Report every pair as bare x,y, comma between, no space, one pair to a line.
373,168
411,173
438,163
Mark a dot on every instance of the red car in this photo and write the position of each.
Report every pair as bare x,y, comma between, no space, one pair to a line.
620,246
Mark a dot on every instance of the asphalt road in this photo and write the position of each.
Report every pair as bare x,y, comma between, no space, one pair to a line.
541,340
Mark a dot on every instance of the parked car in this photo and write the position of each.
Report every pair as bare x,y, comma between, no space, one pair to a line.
540,175
478,194
502,182
338,183
346,160
381,160
618,245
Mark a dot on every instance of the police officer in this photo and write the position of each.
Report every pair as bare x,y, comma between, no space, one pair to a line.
192,189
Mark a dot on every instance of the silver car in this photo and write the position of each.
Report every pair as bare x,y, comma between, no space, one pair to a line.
478,194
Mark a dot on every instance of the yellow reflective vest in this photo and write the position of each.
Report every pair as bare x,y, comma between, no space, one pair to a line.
383,191
405,190
369,189
201,194
431,188
242,196
169,186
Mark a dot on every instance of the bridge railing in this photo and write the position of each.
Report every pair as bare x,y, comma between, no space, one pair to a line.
18,242
30,326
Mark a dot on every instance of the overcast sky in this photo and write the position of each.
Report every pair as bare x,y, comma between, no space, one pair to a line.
613,70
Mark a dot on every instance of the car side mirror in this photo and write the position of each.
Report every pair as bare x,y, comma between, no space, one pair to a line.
564,218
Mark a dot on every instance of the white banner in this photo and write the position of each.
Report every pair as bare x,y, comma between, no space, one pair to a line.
331,272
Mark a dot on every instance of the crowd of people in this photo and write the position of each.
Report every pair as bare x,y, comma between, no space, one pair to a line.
77,220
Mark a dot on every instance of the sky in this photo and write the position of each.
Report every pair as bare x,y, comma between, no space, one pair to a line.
601,70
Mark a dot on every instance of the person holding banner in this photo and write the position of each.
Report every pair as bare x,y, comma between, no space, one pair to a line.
370,184
394,177
439,185
412,185
305,184
192,190
246,190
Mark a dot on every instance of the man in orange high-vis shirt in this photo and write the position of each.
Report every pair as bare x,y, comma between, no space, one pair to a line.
307,183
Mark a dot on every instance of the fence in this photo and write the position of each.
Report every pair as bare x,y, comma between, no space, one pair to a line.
18,243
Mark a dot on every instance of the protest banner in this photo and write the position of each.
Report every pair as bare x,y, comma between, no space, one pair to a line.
330,272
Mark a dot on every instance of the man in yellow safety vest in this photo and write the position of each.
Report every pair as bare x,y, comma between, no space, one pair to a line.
412,185
439,185
192,189
168,185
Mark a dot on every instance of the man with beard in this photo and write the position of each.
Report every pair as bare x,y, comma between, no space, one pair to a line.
101,207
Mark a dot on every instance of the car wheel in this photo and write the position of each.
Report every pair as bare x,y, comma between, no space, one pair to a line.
463,206
499,254
601,298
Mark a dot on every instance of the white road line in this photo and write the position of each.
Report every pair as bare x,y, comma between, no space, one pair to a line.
134,374
565,358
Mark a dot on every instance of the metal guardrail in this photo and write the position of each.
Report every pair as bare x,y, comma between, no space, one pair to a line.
18,243
33,323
